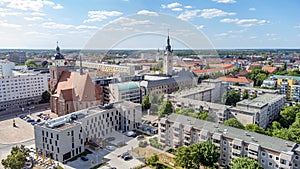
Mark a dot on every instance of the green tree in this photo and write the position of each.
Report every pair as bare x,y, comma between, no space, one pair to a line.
254,128
245,94
231,97
183,157
153,160
192,157
233,122
165,108
254,96
153,98
245,163
146,103
17,158
30,63
288,115
258,76
45,97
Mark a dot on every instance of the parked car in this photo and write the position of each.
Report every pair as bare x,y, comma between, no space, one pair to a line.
41,114
140,137
38,120
84,158
30,120
131,134
22,116
124,154
128,157
155,124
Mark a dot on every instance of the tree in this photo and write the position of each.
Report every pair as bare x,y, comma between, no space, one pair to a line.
231,97
254,96
153,160
258,75
30,63
153,98
233,122
204,153
165,108
183,157
288,115
245,94
17,158
146,103
254,128
45,97
245,163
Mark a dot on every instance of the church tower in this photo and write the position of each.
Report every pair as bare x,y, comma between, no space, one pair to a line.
57,68
168,59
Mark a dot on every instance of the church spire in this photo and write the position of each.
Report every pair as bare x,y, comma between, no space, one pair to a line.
57,47
168,47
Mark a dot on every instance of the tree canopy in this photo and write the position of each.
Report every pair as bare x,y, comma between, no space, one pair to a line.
45,97
258,76
254,128
146,103
17,158
245,94
233,122
202,115
192,157
30,63
165,108
245,163
231,98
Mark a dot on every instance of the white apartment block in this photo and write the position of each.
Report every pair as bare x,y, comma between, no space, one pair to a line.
64,137
272,153
261,110
108,67
18,91
6,68
128,91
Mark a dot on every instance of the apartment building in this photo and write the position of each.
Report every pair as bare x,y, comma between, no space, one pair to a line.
252,91
20,91
178,130
285,83
6,68
261,110
128,91
64,137
17,57
295,92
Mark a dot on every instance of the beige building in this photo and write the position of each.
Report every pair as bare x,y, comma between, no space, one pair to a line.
128,91
64,137
108,67
261,110
178,130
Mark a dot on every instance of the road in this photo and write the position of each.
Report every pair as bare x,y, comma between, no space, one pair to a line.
32,109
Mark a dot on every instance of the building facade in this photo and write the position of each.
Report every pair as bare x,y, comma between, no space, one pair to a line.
64,137
21,91
108,68
128,91
6,68
178,130
17,57
262,110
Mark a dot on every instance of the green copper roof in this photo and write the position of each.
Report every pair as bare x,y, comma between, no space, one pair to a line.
127,86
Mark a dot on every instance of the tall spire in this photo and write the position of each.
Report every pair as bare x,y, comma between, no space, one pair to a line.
168,47
57,47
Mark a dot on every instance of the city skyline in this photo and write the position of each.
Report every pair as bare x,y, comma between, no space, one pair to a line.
231,24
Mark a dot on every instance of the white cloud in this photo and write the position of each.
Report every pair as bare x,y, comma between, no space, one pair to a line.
53,25
221,35
58,6
7,12
212,13
252,9
298,26
146,12
200,27
177,9
172,5
188,7
9,25
96,16
37,14
36,18
30,5
225,1
131,22
244,22
187,15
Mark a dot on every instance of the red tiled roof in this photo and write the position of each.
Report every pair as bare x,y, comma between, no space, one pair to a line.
239,79
213,70
269,69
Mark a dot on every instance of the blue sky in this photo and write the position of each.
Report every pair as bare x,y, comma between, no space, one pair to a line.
224,23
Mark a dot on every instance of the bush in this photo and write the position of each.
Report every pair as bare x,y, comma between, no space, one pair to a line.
143,144
154,143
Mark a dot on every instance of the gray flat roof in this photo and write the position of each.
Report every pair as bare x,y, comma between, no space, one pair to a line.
272,143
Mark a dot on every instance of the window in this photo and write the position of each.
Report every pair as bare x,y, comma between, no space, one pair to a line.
270,164
263,154
270,156
262,161
225,142
297,157
277,158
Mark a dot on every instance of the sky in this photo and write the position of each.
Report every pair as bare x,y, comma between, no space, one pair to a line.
219,24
